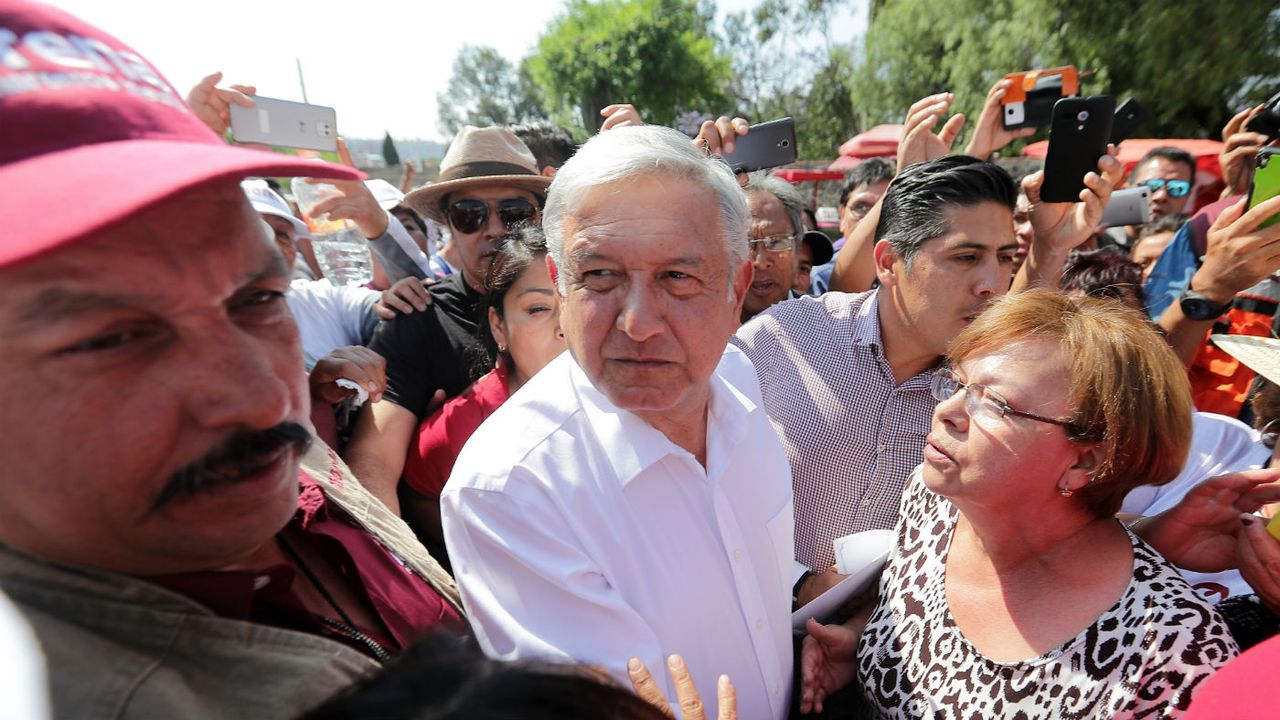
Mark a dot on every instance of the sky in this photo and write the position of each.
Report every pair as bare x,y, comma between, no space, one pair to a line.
380,63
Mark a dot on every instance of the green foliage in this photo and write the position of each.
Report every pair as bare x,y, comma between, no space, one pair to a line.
658,55
1191,64
779,71
486,89
389,150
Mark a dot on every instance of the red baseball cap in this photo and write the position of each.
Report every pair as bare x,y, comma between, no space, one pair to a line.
92,134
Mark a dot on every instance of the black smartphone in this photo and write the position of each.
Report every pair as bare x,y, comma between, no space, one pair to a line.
766,145
1129,116
1265,183
1267,121
1078,136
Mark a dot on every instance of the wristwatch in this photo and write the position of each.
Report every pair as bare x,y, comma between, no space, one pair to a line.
1198,307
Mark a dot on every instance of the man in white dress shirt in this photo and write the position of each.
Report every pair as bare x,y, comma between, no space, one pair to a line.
632,498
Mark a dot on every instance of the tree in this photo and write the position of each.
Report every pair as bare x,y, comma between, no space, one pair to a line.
487,89
389,150
778,71
1187,62
658,55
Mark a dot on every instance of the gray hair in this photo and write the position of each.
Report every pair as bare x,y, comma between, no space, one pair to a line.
627,153
786,194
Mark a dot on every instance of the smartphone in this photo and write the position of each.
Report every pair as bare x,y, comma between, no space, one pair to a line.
764,146
1266,181
1029,100
1130,206
1078,134
283,123
1129,116
1267,121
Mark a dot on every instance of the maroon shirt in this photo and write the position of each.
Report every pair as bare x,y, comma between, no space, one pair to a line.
407,605
441,436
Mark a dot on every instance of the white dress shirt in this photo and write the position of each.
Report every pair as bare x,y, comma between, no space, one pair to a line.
579,532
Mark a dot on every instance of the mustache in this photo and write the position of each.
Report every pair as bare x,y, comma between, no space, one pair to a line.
239,455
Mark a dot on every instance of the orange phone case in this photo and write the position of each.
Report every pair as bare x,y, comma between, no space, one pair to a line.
1025,81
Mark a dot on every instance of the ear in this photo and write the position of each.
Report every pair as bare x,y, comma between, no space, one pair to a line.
1088,459
741,281
495,327
554,272
549,171
885,259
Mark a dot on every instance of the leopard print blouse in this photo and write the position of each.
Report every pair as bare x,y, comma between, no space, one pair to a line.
1142,658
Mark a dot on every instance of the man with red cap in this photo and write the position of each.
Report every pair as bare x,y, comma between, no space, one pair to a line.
178,542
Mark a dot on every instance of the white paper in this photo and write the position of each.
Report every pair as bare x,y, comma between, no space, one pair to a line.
861,556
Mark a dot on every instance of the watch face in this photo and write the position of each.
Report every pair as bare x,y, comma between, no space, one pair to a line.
1199,308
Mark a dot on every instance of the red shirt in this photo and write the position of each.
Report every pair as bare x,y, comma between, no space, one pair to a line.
441,436
406,604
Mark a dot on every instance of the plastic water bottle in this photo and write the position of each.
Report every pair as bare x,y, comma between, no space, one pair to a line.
340,247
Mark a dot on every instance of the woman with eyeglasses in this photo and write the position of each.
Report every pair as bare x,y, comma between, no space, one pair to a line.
523,332
1014,591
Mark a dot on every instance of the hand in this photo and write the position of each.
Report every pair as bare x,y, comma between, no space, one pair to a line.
686,694
1060,227
619,115
828,661
918,142
990,135
212,104
357,204
1238,150
406,180
1199,533
1258,555
816,584
405,297
1239,255
358,364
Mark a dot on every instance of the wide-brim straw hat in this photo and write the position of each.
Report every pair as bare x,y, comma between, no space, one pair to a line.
480,156
1259,354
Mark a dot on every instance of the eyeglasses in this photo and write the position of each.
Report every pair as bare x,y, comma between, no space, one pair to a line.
468,216
771,244
1175,188
984,405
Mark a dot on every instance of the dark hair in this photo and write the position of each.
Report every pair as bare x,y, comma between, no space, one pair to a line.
867,172
911,212
1172,154
550,144
1105,272
447,678
412,214
1168,223
524,245
810,218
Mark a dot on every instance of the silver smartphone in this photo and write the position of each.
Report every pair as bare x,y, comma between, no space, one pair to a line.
1130,206
283,123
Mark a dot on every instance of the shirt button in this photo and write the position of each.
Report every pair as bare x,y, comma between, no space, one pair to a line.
880,449
776,689
759,624
737,556
261,581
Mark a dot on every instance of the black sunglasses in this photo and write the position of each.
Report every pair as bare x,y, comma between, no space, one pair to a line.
468,216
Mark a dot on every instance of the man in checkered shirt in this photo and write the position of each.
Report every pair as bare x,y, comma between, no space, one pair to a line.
845,377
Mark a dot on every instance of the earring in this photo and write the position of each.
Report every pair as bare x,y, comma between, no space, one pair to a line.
502,348
1064,492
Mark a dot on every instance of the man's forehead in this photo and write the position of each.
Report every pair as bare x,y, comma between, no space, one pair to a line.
1162,167
986,223
178,247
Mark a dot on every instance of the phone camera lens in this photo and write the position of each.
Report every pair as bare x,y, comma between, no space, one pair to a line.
1083,115
785,143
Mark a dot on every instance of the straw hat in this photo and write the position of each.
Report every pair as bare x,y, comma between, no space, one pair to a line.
1260,354
480,156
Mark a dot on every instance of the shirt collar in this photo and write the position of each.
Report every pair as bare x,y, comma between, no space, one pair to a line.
866,324
632,445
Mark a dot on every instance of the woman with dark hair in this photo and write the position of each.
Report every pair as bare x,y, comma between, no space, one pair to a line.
523,333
